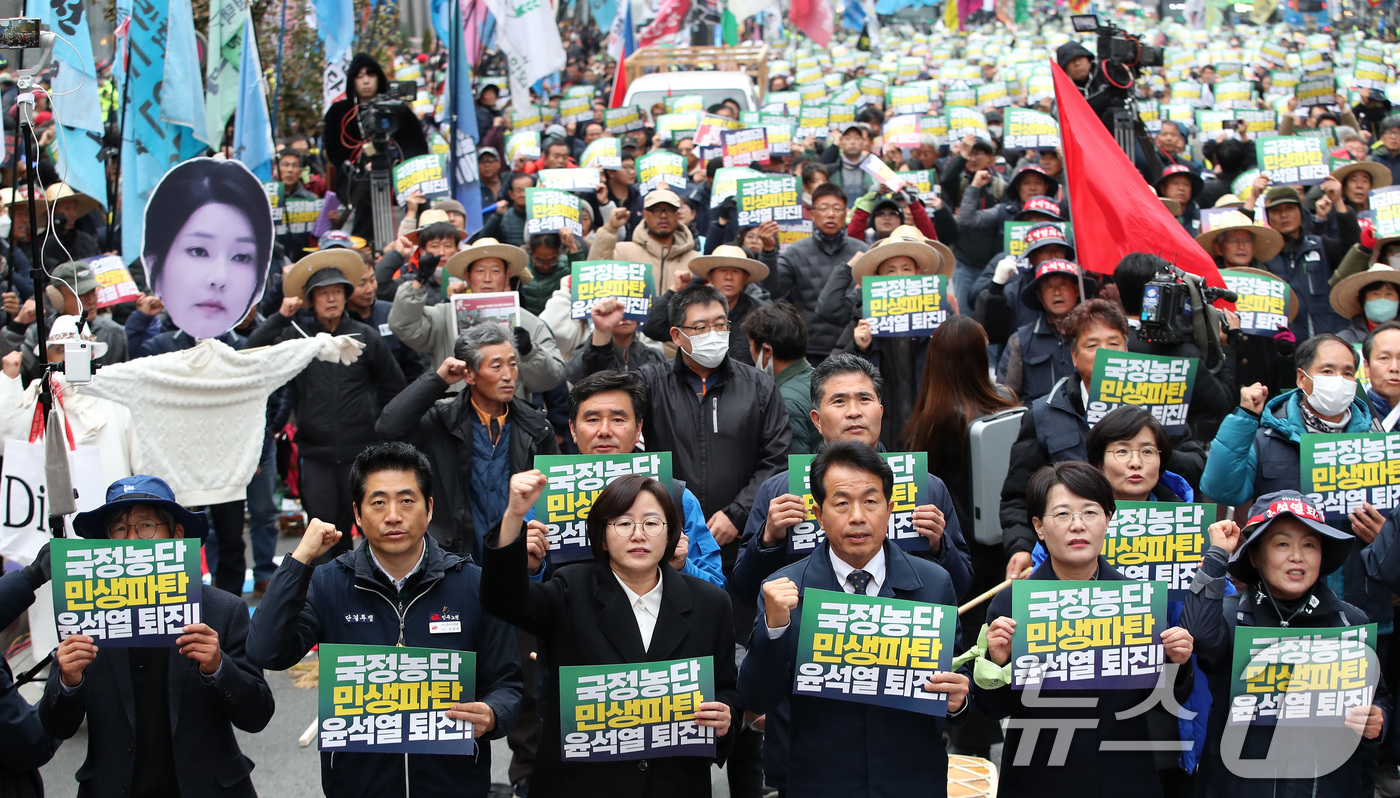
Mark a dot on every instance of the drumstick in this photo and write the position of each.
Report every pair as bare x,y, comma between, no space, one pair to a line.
992,592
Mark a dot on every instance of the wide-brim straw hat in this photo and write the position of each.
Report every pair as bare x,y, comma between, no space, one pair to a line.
516,260
1346,294
931,257
729,256
1268,242
1380,175
431,217
62,191
348,262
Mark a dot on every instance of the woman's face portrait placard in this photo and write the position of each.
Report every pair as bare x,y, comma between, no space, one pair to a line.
207,244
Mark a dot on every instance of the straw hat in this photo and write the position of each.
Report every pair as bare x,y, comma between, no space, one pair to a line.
732,257
931,257
61,191
431,217
1268,242
1229,201
347,265
1346,295
515,259
1380,175
1292,297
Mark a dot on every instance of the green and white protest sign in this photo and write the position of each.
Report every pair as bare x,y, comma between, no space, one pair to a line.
1027,129
1262,303
632,284
745,147
1156,383
873,650
726,182
904,306
393,699
530,119
776,198
579,179
1385,203
812,122
426,174
1342,471
577,110
603,153
1087,635
910,490
682,103
644,710
549,210
1013,235
573,484
125,593
525,144
1316,88
659,167
1302,676
677,126
962,121
1158,541
623,120
1292,160
299,214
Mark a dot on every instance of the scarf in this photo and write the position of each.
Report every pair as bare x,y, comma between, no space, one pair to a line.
1312,422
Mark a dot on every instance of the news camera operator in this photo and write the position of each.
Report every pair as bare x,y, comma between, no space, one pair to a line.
1107,81
366,85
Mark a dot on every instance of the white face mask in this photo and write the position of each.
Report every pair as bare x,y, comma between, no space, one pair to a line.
709,349
765,365
1331,395
5,226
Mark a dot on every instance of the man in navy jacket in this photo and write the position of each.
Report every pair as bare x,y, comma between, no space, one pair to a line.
398,588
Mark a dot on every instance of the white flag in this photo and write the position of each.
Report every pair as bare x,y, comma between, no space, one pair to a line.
529,37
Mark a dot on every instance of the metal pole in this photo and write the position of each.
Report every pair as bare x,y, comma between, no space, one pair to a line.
454,42
277,84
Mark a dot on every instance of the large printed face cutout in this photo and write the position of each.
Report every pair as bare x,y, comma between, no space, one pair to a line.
207,244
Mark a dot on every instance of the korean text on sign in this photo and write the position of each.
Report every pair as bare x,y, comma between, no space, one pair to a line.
744,147
904,305
910,490
1159,384
874,650
1292,159
1158,541
764,199
1302,676
573,484
126,592
1262,302
642,711
629,283
388,699
1343,471
1098,635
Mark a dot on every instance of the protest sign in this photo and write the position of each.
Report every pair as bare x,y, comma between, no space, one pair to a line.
586,180
882,172
659,167
1258,123
838,114
961,97
872,91
726,180
126,592
962,121
1156,383
745,147
1385,203
1189,92
469,310
645,710
774,198
530,118
789,100
1040,87
904,306
579,91
632,284
1342,471
393,699
273,191
623,120
1292,159
674,127
924,181
792,232
1302,676
603,153
299,215
114,282
993,94
1014,234
1316,88
1234,94
902,130
1159,541
811,92
779,137
1087,635
1285,82
708,133
872,650
1262,304
912,99
574,482
681,103
910,490
936,126
577,110
1027,129
25,527
549,210
525,144
812,122
1371,71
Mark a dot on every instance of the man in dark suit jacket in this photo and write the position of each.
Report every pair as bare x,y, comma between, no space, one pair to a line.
160,720
841,748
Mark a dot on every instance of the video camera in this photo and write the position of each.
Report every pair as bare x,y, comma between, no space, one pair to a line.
1176,309
1117,46
379,117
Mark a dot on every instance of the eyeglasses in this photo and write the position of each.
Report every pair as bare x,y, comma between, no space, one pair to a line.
1089,517
144,530
651,527
1123,454
830,210
701,329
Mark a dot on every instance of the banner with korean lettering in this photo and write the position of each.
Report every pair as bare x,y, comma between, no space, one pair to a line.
1030,129
1343,471
745,147
623,120
126,592
1091,634
776,198
924,181
603,153
1302,676
910,490
812,122
1316,88
726,181
1385,203
874,650
299,215
904,306
645,710
114,282
1262,302
1293,160
1155,382
632,284
394,700
1158,541
574,482
577,179
549,210
1013,235
656,168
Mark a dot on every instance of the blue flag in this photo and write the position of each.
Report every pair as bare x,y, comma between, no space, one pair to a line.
462,132
854,16
76,105
182,93
252,133
335,24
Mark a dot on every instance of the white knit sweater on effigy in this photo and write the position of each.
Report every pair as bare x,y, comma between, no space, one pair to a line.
201,413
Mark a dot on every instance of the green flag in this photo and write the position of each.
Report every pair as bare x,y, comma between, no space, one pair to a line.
221,62
731,27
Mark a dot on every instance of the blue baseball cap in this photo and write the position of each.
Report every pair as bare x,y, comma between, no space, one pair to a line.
336,239
140,489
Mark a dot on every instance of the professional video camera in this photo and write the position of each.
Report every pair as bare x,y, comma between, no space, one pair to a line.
1117,46
379,121
1110,91
379,117
1176,309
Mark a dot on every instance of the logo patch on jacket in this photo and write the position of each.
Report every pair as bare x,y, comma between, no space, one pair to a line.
445,622
359,617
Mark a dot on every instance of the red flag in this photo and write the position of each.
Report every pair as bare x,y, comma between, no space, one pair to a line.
619,92
1115,211
814,18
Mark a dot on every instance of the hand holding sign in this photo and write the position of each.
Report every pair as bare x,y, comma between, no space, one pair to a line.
955,685
768,234
537,544
929,522
201,644
1366,522
779,600
999,635
1177,644
784,512
714,714
75,653
478,714
1366,721
1225,534
318,539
